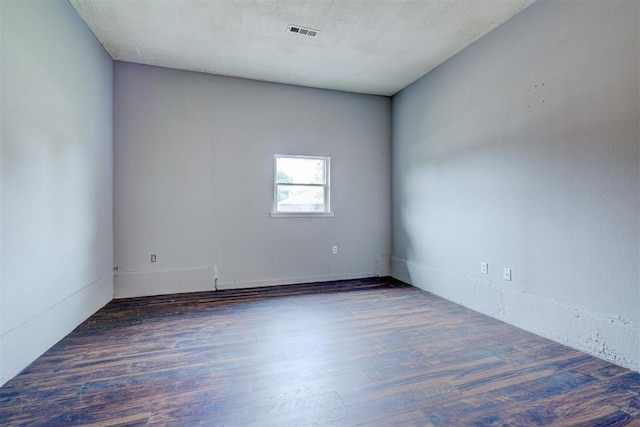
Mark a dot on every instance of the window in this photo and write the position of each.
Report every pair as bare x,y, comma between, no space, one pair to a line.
301,186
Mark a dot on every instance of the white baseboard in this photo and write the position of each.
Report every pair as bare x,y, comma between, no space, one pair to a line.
608,338
147,283
294,280
383,266
137,284
25,343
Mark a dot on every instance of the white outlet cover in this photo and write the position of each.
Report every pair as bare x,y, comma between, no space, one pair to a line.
484,268
506,274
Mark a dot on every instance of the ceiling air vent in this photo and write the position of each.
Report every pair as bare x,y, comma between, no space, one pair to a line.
302,30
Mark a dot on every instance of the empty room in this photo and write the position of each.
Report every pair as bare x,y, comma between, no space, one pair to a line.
319,212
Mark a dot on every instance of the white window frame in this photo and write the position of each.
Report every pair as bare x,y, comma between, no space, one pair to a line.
327,188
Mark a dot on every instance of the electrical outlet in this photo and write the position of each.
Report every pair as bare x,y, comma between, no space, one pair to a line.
506,274
153,257
484,268
334,249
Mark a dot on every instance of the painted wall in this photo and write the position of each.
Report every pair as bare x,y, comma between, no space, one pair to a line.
522,151
194,182
1,235
56,178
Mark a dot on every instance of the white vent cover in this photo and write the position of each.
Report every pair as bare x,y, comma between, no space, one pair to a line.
303,31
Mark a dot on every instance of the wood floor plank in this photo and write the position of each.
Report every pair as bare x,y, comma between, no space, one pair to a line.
361,352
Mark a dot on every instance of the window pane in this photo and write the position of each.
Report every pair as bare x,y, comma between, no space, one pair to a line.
300,171
300,198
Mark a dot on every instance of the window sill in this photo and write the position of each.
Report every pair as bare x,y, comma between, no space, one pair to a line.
301,214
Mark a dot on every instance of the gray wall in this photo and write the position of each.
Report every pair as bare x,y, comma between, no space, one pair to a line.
194,182
522,151
56,178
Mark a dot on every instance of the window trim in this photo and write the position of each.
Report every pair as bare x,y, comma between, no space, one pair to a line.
327,189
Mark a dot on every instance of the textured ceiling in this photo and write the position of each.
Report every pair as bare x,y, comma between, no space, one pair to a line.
365,46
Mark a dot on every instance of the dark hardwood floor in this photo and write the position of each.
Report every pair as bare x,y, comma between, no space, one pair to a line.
370,352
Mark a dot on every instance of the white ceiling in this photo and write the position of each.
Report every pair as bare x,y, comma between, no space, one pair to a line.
365,46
